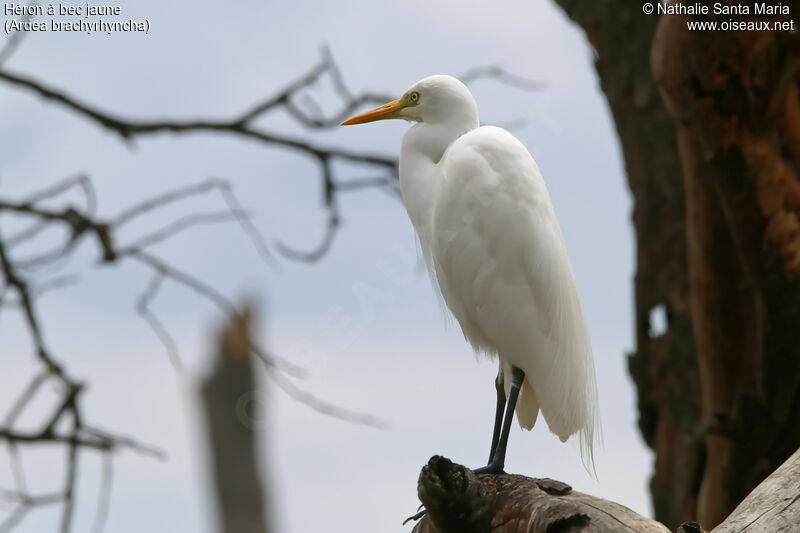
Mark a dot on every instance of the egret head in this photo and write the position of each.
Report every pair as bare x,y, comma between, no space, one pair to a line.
433,100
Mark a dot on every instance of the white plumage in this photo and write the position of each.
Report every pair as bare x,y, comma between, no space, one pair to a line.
491,240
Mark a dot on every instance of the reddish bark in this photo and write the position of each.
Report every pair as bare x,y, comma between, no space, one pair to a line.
713,169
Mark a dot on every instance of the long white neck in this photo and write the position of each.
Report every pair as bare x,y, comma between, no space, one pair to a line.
423,147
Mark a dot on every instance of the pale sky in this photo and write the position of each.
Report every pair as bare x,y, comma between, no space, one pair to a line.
396,356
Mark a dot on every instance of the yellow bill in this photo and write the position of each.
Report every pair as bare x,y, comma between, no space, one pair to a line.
383,112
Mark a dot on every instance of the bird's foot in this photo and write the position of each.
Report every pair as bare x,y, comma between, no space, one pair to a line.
416,516
495,467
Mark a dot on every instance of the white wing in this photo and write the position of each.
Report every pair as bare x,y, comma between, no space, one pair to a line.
504,272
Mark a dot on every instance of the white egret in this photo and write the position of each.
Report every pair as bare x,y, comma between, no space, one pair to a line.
492,244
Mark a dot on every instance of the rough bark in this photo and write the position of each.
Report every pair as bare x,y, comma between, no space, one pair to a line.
733,99
229,415
664,367
713,171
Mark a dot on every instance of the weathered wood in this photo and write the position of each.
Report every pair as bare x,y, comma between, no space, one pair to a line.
773,506
458,501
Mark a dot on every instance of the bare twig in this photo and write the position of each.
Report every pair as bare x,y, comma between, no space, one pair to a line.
178,226
71,477
115,440
326,408
165,270
494,72
21,287
143,308
163,199
234,212
320,250
24,398
246,224
13,42
104,494
130,129
80,181
15,517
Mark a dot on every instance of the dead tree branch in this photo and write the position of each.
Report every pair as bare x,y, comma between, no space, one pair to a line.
774,505
287,99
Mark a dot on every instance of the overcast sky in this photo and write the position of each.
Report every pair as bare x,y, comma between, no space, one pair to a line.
396,356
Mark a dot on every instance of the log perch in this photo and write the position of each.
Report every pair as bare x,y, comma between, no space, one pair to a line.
458,501
773,506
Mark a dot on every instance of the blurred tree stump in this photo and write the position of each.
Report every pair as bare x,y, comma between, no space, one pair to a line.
230,408
458,501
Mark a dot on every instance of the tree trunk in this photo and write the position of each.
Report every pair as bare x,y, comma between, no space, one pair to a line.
713,170
733,98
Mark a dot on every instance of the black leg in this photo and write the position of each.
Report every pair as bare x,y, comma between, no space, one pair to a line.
498,416
499,459
500,437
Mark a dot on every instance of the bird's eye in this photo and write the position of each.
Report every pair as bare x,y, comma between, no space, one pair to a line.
414,97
